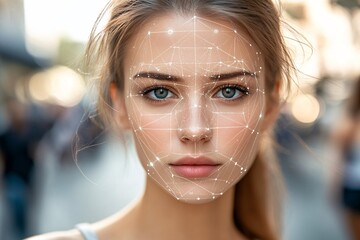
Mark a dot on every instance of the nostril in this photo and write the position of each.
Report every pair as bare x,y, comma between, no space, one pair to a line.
184,139
203,135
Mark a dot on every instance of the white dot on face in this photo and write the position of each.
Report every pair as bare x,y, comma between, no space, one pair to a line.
149,32
170,31
198,198
216,31
151,164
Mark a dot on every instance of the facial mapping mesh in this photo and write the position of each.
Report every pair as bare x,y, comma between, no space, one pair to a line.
195,97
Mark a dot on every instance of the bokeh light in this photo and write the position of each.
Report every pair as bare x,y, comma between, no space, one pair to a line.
305,108
58,85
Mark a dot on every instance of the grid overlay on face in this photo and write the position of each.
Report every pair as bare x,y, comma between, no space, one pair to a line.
197,93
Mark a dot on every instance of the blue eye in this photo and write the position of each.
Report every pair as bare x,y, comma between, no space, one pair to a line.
231,92
158,93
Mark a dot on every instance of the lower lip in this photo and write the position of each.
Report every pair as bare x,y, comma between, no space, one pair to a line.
194,171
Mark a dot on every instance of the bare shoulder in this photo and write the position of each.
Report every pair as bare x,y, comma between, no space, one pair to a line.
68,235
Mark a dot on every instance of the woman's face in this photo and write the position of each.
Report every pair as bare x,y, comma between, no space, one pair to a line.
195,98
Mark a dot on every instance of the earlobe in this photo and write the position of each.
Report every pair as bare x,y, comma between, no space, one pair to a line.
119,107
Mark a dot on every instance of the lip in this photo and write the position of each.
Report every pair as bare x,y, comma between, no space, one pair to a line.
190,167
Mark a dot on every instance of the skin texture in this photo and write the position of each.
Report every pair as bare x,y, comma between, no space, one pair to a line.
212,104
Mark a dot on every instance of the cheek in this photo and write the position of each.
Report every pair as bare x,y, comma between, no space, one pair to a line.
237,143
236,135
152,133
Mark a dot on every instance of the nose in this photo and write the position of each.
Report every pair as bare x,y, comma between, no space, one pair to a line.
194,125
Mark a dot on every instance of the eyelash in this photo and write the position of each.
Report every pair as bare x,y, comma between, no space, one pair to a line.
153,88
244,91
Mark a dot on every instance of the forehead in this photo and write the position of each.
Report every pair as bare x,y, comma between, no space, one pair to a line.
196,43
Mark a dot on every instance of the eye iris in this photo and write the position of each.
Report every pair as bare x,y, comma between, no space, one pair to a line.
228,92
161,93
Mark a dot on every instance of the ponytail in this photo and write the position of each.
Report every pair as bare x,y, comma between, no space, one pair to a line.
257,199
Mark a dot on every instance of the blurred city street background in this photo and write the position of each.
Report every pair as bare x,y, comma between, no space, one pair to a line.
42,101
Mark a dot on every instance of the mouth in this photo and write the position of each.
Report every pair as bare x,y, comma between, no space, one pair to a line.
190,167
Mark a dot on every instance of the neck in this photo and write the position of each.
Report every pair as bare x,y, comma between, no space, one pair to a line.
161,215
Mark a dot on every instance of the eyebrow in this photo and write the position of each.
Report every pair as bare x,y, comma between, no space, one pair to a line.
157,76
224,76
215,77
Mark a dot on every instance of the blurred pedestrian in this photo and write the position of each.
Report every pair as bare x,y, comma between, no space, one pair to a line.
347,139
18,144
16,148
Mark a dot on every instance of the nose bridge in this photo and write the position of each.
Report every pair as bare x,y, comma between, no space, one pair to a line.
195,118
194,110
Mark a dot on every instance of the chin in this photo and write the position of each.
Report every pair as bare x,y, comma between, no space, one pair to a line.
197,200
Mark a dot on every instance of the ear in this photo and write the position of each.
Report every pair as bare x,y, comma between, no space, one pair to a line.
119,107
272,107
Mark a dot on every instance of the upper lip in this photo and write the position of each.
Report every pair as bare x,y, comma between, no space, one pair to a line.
194,161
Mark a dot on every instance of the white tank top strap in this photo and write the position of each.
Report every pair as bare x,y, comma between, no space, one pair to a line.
86,231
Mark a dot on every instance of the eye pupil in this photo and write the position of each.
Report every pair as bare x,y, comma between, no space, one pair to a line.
228,92
161,93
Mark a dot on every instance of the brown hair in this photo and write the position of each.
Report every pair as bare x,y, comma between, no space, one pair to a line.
107,48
